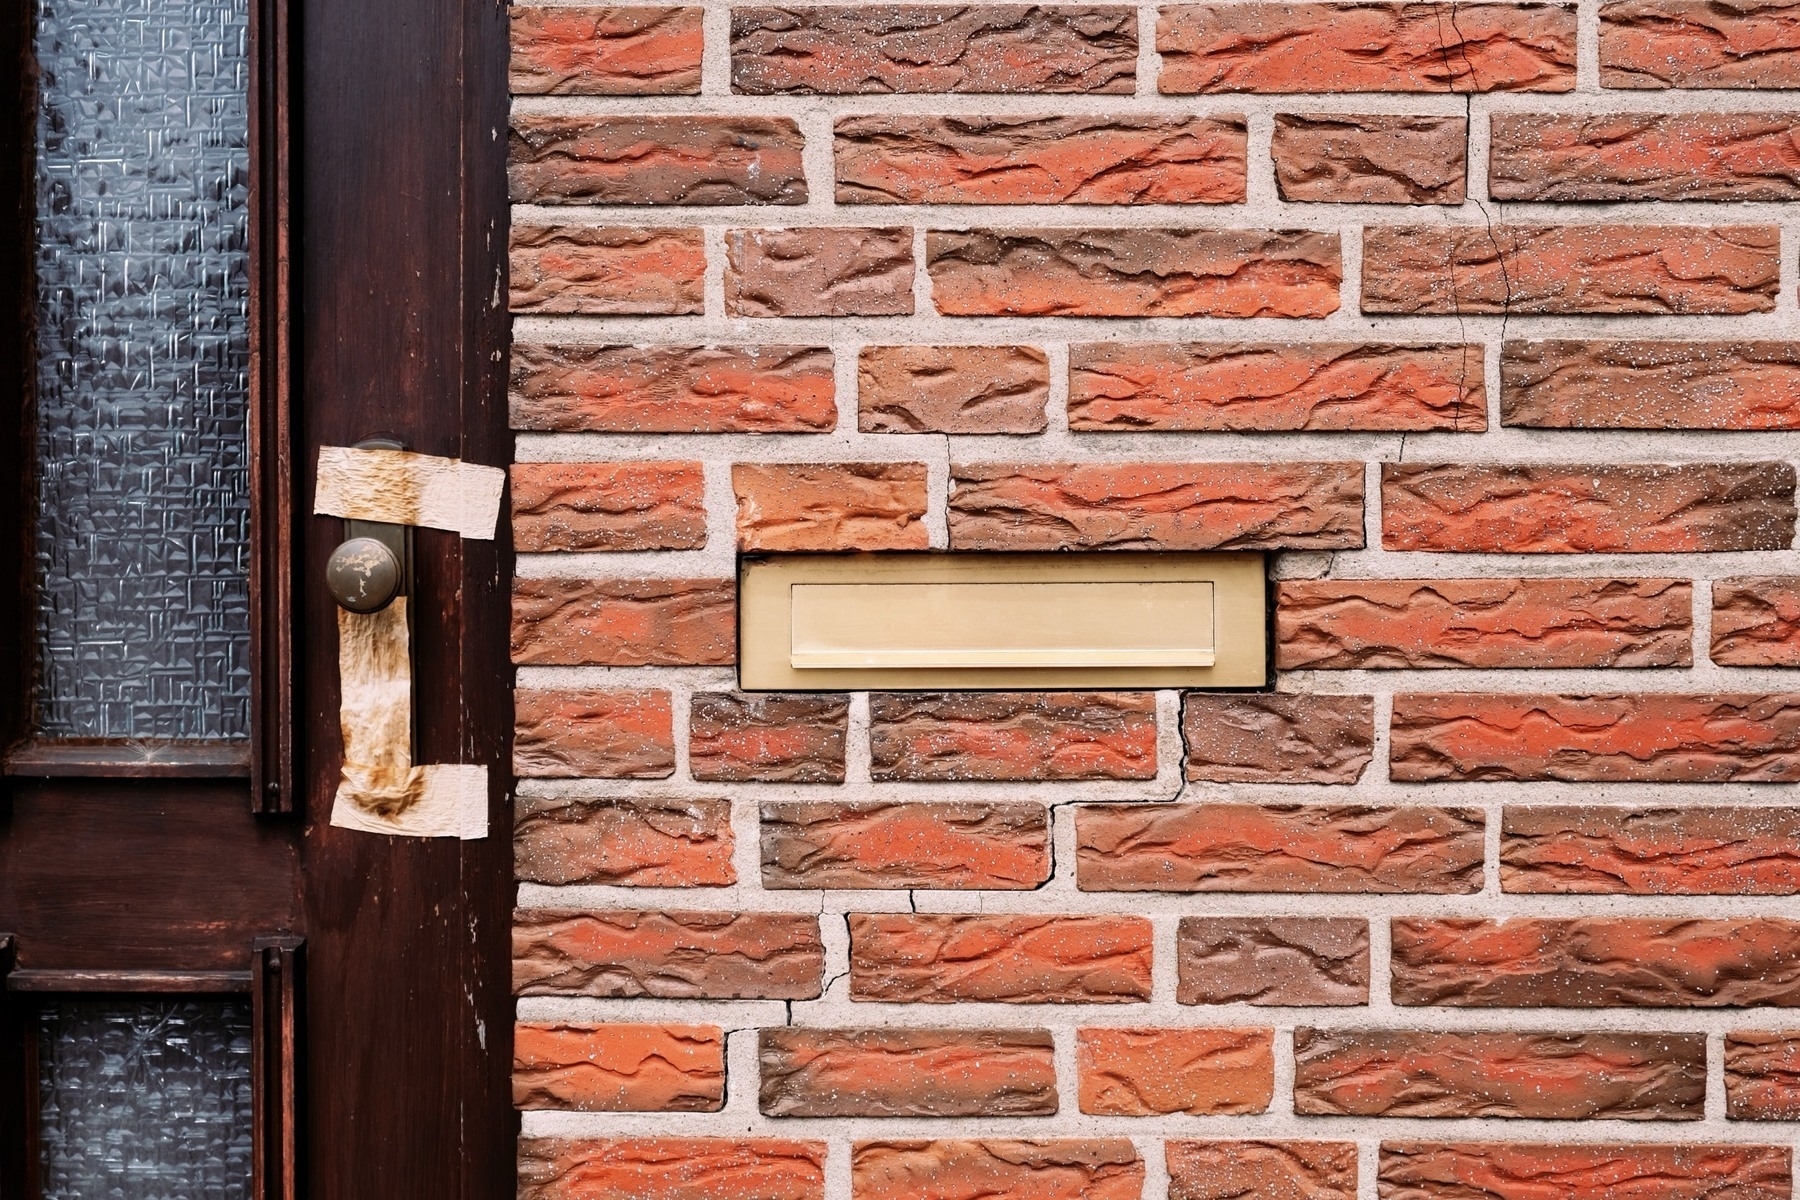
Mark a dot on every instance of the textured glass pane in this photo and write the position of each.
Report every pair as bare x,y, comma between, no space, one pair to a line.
143,364
145,1100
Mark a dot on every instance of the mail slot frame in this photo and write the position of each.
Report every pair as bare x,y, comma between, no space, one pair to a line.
765,617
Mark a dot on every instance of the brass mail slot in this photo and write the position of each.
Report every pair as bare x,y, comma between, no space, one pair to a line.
1002,620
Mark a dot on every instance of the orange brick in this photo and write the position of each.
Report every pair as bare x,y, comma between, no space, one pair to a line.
608,506
669,1168
1146,1072
587,50
940,959
619,1068
830,506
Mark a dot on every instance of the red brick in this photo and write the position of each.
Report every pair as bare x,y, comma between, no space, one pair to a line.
1573,509
1261,1170
1277,738
1225,847
1756,621
624,622
1686,851
624,843
1537,1170
767,737
1650,385
585,50
878,844
997,1169
672,389
1283,961
1040,159
1367,47
1330,159
1362,624
944,958
1699,44
1544,1076
1156,506
830,506
669,955
608,506
1645,156
952,389
606,271
1463,270
686,159
1762,1077
907,1073
670,1168
1134,272
951,736
818,272
604,734
1650,737
619,1068
1219,386
1150,1072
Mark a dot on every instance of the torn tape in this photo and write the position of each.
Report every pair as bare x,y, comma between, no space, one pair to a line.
403,488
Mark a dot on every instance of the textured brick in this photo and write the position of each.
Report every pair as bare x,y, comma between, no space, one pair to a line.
1762,1077
1645,156
1040,159
1686,851
624,622
670,955
952,389
818,272
1700,44
1149,1072
997,1169
670,1168
1217,386
672,389
1656,737
943,958
1756,621
627,734
1261,1170
1285,961
619,1068
1536,1170
585,50
830,506
686,159
1156,506
1133,272
606,271
852,50
945,737
608,506
1650,385
907,1072
1367,47
1573,509
1546,1076
1597,962
1361,624
624,843
1277,738
1370,159
1222,847
1463,270
878,844
769,738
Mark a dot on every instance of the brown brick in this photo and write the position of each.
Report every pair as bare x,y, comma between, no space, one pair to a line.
818,272
1261,1170
997,1169
952,736
1693,508
1134,272
1644,156
1651,737
672,389
1544,1076
624,622
1699,44
852,50
1756,621
596,732
830,506
1224,847
624,843
1284,961
768,737
1762,1077
670,955
686,159
1150,1072
1363,624
1686,851
944,958
907,1073
1650,385
878,844
586,50
1463,270
1040,159
1156,506
1329,159
952,389
1535,1170
608,506
619,1068
606,271
670,1168
1367,47
1277,738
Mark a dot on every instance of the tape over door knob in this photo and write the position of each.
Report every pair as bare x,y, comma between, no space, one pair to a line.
363,575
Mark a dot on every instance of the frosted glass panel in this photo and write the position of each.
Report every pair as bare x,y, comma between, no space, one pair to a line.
144,1100
143,369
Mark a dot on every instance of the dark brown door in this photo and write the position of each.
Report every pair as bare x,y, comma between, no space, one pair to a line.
235,231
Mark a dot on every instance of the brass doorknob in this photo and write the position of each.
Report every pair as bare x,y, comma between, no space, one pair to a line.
363,575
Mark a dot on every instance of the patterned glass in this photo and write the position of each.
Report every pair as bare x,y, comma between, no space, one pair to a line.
143,623
144,1100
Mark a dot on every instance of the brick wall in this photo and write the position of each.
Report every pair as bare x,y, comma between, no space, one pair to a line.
1480,316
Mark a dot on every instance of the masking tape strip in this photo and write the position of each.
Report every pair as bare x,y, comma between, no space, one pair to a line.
403,488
